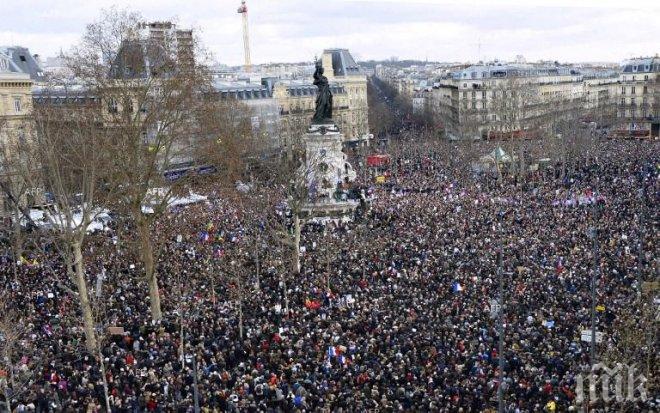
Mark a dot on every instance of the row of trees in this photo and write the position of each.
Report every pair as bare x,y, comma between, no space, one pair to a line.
131,109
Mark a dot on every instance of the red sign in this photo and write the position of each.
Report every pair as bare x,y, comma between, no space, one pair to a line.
378,160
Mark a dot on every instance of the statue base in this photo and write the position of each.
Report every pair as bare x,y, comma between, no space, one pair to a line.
323,128
328,172
329,209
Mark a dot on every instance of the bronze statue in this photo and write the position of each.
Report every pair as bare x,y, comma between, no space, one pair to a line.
323,112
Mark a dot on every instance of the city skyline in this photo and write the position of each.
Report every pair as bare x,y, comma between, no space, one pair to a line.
437,30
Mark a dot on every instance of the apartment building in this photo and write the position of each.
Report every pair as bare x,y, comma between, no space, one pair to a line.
487,100
295,100
19,70
639,97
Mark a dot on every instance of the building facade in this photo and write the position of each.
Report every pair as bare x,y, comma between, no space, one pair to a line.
18,73
295,100
485,100
639,97
496,99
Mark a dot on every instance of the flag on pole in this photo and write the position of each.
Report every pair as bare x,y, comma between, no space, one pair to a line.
456,287
342,359
203,236
332,352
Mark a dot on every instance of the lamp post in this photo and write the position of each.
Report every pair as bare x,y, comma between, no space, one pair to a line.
593,232
500,332
500,314
640,235
592,350
195,387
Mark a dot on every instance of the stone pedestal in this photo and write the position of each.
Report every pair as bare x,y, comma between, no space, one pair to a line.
326,170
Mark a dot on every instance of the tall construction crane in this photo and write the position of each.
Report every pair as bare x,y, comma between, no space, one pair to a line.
246,36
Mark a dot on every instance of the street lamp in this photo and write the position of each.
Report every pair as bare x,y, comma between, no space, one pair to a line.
593,233
500,349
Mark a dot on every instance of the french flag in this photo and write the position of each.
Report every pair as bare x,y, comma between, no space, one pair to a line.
332,352
456,287
342,360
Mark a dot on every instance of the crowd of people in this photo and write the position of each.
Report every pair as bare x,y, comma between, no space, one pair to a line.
395,310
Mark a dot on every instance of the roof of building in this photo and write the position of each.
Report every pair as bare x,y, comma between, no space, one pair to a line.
247,91
641,65
72,93
343,63
242,90
599,74
17,59
499,70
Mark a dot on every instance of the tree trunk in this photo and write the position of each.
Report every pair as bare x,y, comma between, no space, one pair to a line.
7,399
286,298
523,168
256,256
77,273
17,243
147,254
105,380
240,318
181,337
296,244
9,379
240,292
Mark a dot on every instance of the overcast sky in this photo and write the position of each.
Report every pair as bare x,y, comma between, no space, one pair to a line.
296,30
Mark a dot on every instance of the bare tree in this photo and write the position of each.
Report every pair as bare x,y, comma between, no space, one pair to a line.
634,341
14,187
15,376
70,150
296,191
229,142
516,106
151,93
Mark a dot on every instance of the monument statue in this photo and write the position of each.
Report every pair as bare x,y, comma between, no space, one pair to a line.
323,112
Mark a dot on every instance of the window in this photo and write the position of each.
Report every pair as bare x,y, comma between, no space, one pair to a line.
493,117
17,104
623,90
646,77
645,90
632,90
483,94
112,106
